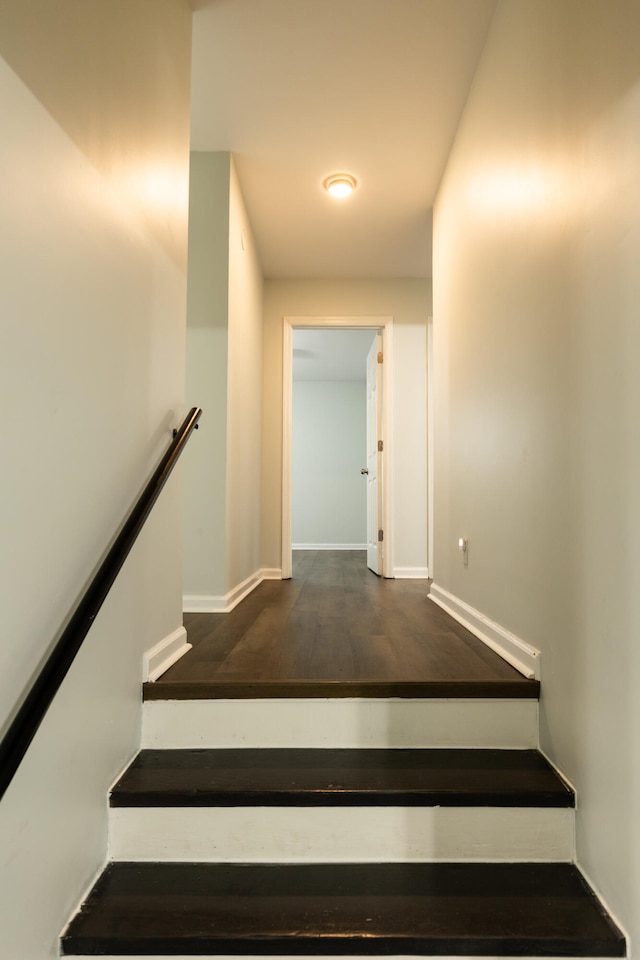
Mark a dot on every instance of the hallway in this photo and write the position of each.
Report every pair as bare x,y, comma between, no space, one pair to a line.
336,629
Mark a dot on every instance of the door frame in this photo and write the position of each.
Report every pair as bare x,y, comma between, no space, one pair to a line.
384,324
430,450
373,461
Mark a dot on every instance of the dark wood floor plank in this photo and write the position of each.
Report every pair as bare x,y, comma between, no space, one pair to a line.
340,777
336,622
339,909
257,641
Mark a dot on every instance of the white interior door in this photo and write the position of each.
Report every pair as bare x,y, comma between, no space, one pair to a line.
374,456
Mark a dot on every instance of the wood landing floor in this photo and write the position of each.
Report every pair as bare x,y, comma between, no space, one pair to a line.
335,629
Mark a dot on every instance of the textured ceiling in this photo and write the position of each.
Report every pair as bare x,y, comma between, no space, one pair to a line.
300,89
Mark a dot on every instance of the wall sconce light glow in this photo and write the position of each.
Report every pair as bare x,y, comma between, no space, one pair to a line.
160,189
340,185
517,191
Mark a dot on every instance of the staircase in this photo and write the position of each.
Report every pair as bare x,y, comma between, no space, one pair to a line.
341,826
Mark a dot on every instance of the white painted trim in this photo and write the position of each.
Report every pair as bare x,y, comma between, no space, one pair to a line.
511,648
343,722
203,603
225,604
385,324
164,654
329,546
603,900
271,573
411,573
242,590
85,896
287,448
562,776
342,834
430,446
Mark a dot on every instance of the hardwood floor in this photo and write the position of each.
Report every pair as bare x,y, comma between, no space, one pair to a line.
336,629
356,909
340,778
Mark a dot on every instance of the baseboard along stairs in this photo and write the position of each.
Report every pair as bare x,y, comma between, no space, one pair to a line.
342,826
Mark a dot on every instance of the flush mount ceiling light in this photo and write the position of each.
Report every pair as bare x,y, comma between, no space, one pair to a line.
340,185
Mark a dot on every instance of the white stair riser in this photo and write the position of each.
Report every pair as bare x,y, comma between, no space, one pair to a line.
341,834
340,723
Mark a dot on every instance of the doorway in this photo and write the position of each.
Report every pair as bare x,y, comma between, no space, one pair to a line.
383,325
329,439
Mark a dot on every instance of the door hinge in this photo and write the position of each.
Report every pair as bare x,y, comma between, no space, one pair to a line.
380,446
380,356
380,536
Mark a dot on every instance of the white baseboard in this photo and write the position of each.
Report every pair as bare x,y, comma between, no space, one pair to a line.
511,648
243,590
164,654
209,603
603,900
272,573
411,573
570,785
329,546
203,603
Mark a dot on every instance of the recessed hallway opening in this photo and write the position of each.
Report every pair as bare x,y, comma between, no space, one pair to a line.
336,629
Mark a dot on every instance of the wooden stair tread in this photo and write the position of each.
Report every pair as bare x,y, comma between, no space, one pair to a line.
340,777
341,909
509,689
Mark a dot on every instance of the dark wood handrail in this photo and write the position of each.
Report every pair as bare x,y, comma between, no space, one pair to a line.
38,699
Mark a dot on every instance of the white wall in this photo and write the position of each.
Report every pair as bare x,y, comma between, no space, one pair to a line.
92,303
409,303
205,472
536,292
224,376
244,397
329,495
